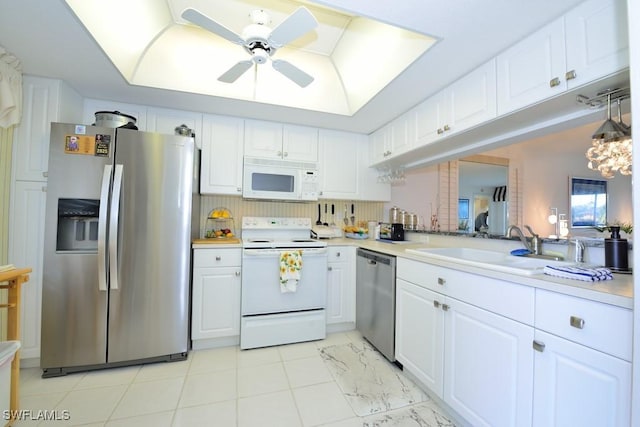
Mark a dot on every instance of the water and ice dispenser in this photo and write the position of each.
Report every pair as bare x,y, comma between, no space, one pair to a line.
77,225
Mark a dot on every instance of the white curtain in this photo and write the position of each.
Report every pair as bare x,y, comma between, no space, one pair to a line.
10,89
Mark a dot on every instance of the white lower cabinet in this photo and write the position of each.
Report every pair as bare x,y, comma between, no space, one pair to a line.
578,386
215,295
341,290
478,362
503,354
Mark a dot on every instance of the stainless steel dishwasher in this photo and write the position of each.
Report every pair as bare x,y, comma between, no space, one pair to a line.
376,300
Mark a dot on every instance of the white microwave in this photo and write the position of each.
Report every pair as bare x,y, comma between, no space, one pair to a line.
280,180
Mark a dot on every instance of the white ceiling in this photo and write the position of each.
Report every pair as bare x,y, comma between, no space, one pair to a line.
51,42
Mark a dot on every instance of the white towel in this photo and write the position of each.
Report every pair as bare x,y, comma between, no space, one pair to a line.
290,269
586,274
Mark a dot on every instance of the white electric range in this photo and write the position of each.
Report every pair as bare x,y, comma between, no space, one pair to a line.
271,316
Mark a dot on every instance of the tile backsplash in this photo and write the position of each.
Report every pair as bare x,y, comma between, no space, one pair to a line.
239,207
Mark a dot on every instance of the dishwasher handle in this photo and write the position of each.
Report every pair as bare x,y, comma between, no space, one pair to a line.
374,258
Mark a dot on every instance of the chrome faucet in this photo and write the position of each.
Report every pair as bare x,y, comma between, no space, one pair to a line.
535,247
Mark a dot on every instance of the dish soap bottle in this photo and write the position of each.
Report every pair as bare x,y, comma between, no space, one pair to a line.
616,251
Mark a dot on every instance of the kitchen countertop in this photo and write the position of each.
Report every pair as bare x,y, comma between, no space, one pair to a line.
618,291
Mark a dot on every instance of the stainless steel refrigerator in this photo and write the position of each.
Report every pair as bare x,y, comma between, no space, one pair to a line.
122,208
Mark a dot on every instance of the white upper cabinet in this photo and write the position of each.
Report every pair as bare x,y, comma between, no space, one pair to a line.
597,40
380,145
588,43
467,102
44,101
533,69
393,139
221,157
273,140
338,168
166,121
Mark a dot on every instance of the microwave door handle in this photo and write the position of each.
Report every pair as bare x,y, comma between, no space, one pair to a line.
102,228
114,220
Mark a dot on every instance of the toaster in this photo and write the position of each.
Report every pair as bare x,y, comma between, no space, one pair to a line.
393,231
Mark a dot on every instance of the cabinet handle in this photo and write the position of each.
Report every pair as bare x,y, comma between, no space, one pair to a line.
554,82
436,304
329,268
218,258
445,307
44,188
239,189
286,154
440,131
570,75
441,281
538,346
337,254
45,174
576,322
237,274
446,128
279,153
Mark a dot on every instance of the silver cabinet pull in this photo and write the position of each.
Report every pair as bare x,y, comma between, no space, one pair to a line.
237,274
329,268
45,174
446,128
570,75
440,131
538,346
279,153
436,304
576,322
445,307
441,281
218,257
286,153
337,254
554,82
239,189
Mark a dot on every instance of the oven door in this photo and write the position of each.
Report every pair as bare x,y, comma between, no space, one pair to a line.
261,282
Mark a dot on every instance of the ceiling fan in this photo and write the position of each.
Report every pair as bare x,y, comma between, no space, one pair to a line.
260,41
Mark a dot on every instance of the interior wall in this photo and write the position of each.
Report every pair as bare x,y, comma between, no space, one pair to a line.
239,207
419,194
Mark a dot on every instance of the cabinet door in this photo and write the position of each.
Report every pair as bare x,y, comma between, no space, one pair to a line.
26,242
401,136
533,69
369,188
472,99
420,333
577,386
300,143
221,157
340,286
488,375
338,154
166,121
215,302
44,101
597,40
263,139
430,119
380,147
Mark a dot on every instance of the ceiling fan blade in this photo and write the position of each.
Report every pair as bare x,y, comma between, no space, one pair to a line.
292,72
233,73
198,18
300,22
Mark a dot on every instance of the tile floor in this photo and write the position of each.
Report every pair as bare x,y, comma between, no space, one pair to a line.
293,385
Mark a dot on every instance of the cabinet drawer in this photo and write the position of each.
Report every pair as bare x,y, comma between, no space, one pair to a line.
216,257
338,253
498,296
597,325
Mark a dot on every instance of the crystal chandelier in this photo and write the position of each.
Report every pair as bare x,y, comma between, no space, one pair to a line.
611,149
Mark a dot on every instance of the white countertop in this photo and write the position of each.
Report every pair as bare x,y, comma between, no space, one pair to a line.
618,291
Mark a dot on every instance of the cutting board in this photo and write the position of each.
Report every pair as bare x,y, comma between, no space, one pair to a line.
222,241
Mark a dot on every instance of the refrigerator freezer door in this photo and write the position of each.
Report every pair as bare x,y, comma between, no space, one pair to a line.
148,312
74,310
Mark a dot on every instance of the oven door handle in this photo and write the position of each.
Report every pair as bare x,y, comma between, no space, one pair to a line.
272,252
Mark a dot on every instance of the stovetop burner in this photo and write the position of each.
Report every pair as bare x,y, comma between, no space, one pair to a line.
267,232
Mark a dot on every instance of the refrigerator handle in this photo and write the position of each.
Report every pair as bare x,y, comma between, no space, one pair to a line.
113,227
102,228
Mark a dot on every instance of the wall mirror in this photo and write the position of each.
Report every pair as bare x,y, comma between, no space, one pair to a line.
588,202
482,180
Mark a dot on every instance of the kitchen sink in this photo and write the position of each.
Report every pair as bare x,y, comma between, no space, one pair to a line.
492,260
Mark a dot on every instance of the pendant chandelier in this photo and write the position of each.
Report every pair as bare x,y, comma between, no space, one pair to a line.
611,149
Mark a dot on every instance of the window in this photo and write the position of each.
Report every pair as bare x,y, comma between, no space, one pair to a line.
588,199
